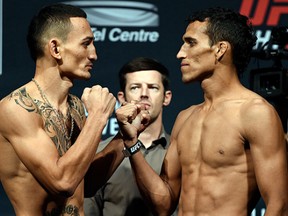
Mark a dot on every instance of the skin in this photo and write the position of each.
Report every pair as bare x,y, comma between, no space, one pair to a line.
37,180
144,89
222,150
147,88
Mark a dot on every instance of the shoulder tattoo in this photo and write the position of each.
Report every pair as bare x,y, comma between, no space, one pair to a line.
22,98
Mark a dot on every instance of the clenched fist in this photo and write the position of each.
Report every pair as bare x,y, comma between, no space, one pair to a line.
98,101
132,118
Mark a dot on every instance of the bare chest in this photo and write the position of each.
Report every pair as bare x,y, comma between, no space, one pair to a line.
214,138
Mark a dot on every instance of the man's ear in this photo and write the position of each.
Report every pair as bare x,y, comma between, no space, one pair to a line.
121,97
167,98
221,49
54,48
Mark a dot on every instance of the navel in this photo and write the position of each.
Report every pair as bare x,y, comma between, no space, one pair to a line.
221,152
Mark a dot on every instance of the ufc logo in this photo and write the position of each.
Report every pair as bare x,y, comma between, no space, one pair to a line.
262,10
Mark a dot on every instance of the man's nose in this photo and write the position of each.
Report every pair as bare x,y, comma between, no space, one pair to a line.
144,91
93,54
181,54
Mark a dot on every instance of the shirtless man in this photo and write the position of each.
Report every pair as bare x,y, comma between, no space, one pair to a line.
228,150
47,144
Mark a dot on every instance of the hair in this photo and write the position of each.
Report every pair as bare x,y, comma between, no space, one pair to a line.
140,64
52,20
227,25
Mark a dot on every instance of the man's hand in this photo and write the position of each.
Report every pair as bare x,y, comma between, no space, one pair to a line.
99,101
132,119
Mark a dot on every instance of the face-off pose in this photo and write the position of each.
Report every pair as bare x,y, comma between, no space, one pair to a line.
228,150
147,81
47,144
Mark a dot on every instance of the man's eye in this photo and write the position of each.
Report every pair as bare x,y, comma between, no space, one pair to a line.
86,44
133,88
192,42
154,88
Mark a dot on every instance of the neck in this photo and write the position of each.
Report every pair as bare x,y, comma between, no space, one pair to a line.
57,96
63,119
222,84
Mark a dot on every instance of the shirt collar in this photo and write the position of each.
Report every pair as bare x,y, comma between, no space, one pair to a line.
163,139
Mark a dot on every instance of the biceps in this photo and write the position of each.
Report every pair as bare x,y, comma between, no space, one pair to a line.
35,150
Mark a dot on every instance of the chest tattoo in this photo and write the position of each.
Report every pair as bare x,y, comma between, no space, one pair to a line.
55,124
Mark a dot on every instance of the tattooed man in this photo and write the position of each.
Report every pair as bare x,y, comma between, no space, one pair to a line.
47,143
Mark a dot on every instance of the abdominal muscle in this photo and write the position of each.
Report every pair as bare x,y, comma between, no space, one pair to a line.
208,193
216,163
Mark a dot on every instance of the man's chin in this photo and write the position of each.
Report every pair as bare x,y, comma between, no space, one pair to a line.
186,81
86,76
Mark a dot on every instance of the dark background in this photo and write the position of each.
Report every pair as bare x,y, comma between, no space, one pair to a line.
18,67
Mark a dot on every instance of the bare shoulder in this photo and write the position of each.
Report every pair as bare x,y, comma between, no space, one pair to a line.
16,109
258,116
16,101
186,112
257,107
181,118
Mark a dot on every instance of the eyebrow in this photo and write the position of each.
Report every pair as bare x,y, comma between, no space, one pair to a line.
141,83
88,38
189,38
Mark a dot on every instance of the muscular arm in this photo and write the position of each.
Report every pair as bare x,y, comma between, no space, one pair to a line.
161,192
268,149
105,162
35,149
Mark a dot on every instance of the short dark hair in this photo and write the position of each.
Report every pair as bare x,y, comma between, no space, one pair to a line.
228,25
140,64
52,19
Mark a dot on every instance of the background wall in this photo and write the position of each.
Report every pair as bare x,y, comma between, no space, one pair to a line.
113,22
